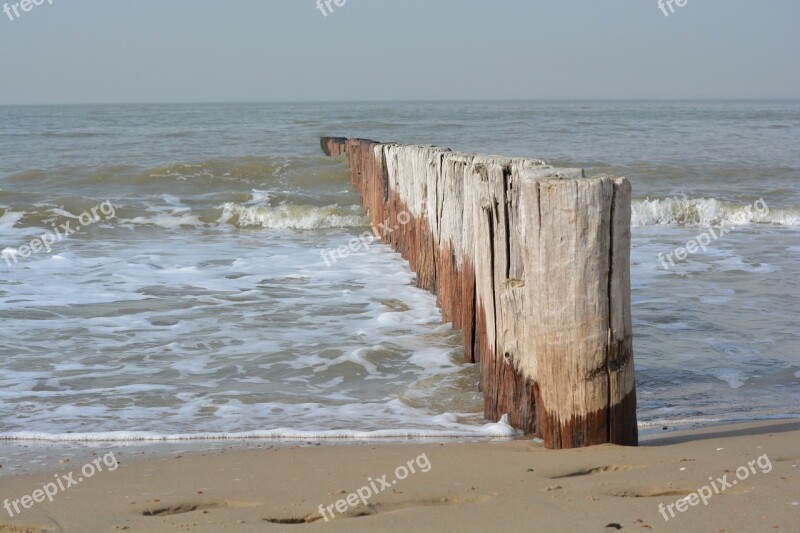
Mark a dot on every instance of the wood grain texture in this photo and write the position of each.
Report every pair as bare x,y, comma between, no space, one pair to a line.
532,263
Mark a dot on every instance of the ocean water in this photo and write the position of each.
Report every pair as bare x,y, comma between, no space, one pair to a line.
190,300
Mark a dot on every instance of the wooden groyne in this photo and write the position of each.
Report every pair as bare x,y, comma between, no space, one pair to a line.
532,263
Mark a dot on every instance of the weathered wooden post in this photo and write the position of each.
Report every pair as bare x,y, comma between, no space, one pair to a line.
532,263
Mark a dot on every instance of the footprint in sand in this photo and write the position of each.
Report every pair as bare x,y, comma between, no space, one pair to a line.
598,470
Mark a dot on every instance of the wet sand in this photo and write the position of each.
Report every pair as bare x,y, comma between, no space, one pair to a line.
485,486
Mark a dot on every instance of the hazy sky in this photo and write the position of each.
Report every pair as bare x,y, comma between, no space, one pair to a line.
92,51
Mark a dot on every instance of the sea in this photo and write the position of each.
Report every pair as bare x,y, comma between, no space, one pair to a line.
163,280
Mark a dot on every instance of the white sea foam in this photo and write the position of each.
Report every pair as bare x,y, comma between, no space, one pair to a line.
732,377
63,213
172,200
173,220
287,216
706,211
456,430
225,337
261,197
9,219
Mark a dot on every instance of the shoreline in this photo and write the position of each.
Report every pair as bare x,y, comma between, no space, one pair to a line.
30,456
469,486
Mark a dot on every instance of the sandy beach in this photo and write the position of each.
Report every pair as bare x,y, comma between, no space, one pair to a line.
745,477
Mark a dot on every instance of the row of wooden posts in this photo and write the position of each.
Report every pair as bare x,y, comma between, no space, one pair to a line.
532,263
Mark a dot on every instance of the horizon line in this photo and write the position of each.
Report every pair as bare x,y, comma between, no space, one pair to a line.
401,101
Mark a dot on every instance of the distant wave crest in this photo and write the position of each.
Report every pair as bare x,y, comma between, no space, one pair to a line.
707,211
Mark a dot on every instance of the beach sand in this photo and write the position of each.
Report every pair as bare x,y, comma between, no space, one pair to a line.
484,486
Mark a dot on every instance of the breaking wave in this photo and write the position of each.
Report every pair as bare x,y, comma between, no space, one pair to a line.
287,216
708,211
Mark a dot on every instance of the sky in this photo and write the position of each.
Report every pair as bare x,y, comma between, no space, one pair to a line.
129,51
